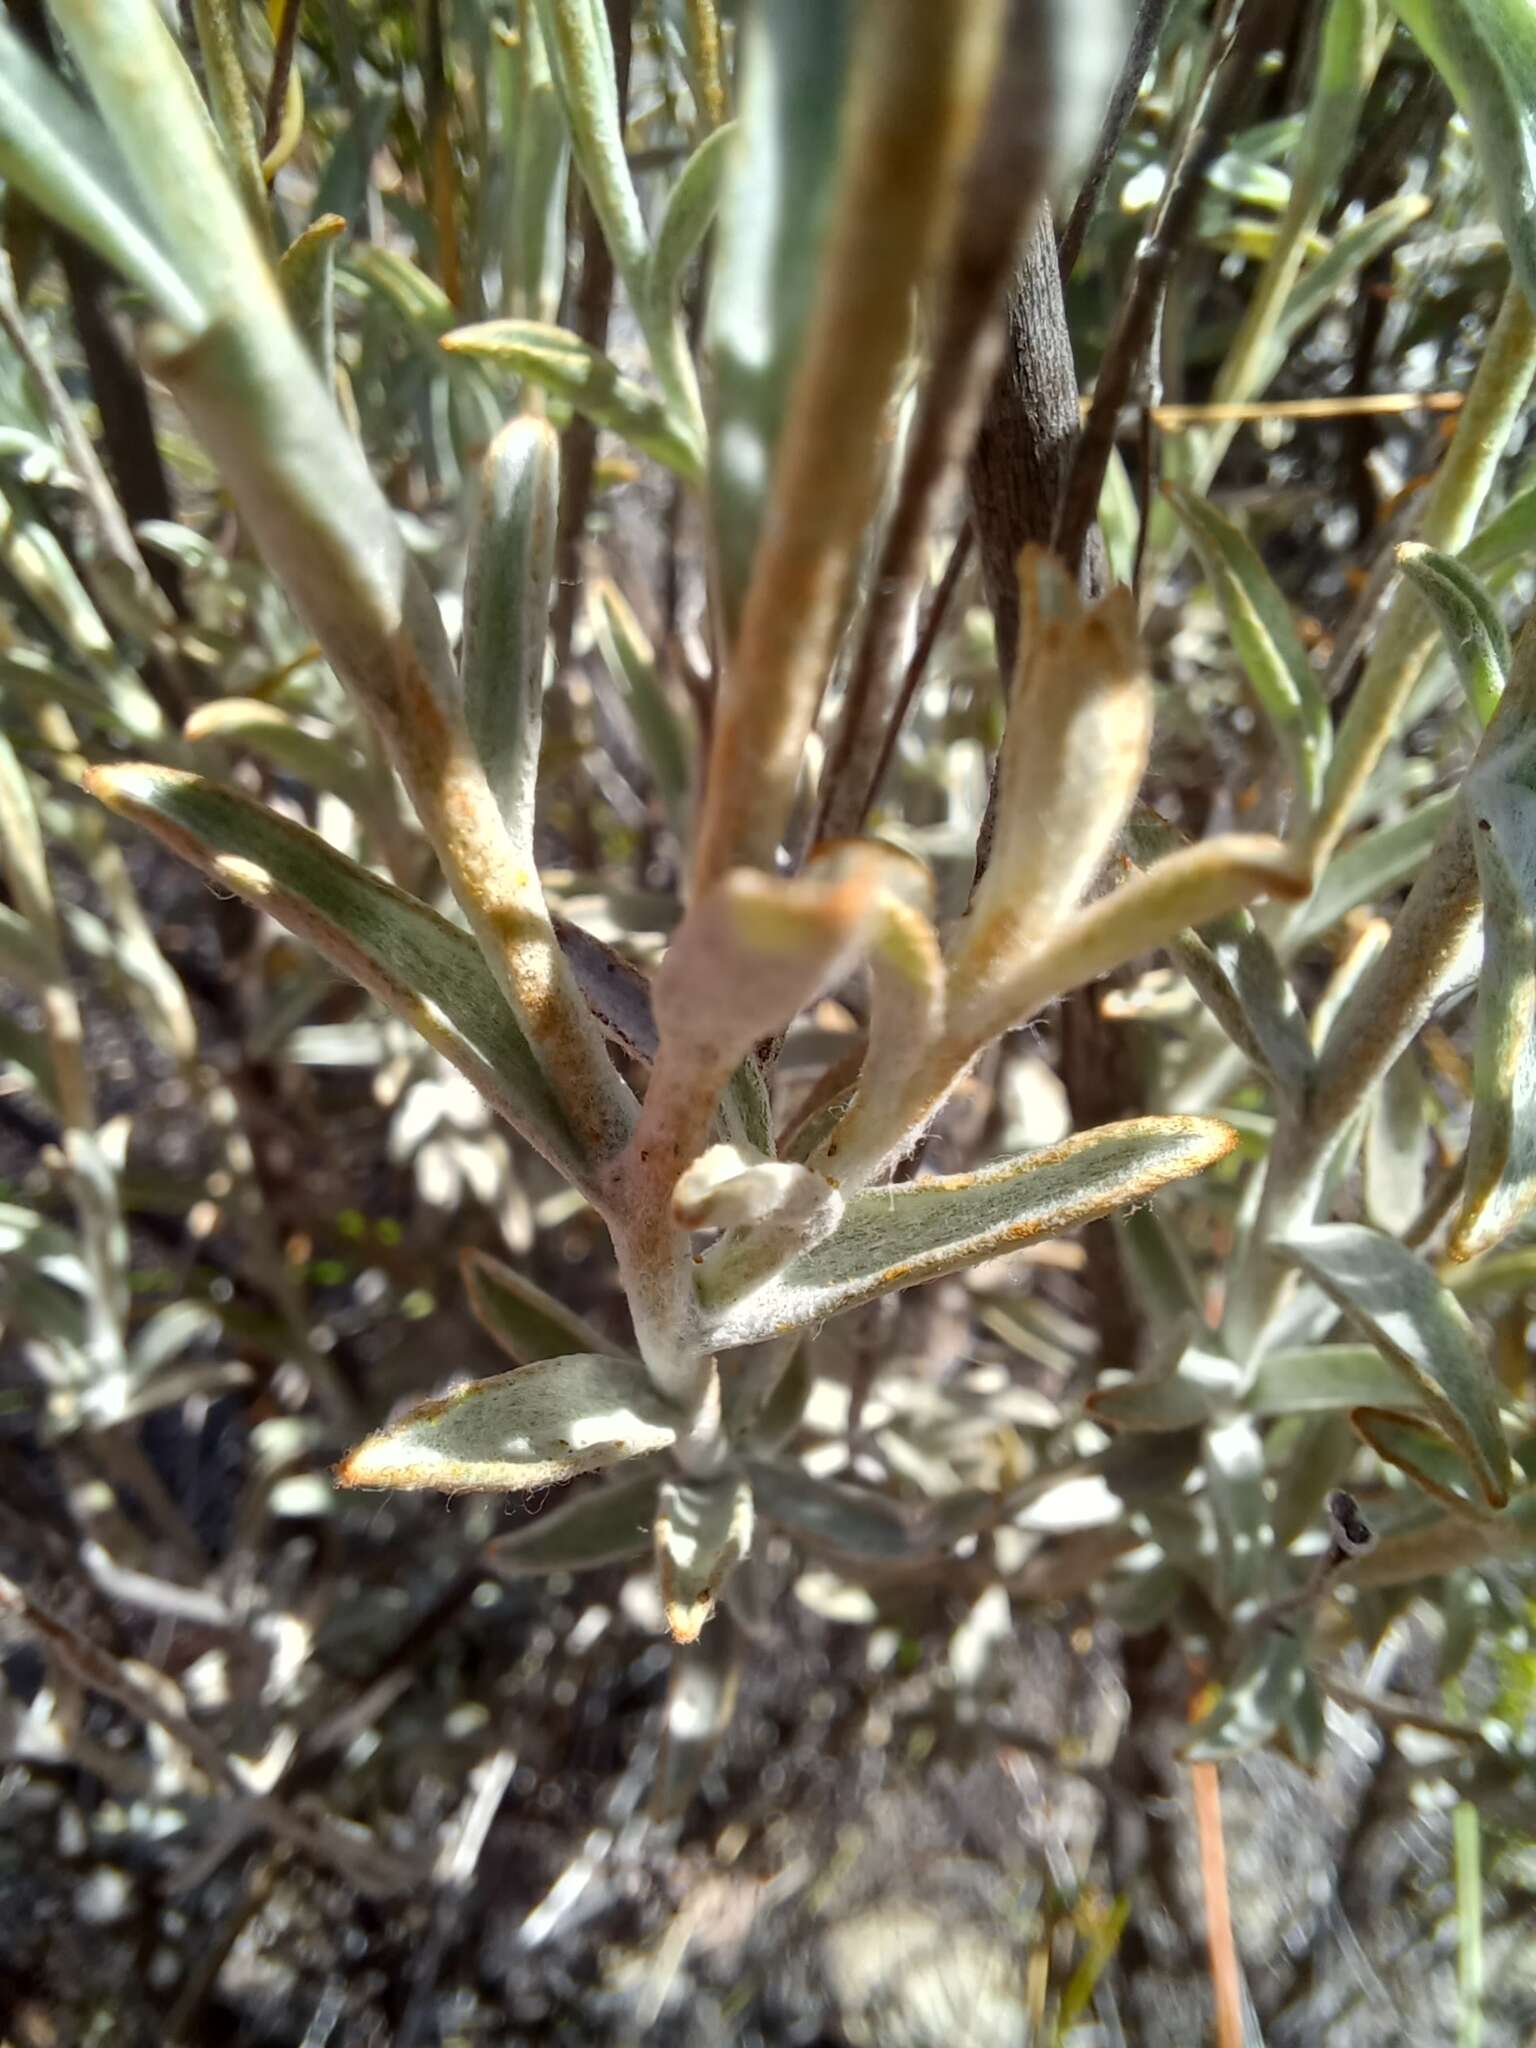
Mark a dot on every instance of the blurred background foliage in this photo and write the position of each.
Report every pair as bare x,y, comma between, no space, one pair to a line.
305,1766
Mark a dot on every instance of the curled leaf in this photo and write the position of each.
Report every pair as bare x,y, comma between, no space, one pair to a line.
754,950
724,1189
535,1427
307,274
1469,620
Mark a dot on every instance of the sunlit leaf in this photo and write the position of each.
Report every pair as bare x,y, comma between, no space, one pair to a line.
292,745
1079,724
561,363
894,1237
725,1188
581,62
61,157
1354,247
534,1427
1190,888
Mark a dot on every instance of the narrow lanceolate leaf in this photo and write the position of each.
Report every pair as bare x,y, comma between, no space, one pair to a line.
412,959
1190,888
506,615
852,1521
894,1237
791,66
60,157
703,1530
527,1323
663,723
1079,725
1236,972
1470,622
1201,1386
1328,1379
1375,865
292,746
1425,1549
535,1427
1353,248
533,247
604,1525
1419,1326
1486,52
701,1699
561,363
307,273
616,991
1265,640
1500,1183
1411,1441
420,302
580,47
691,207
